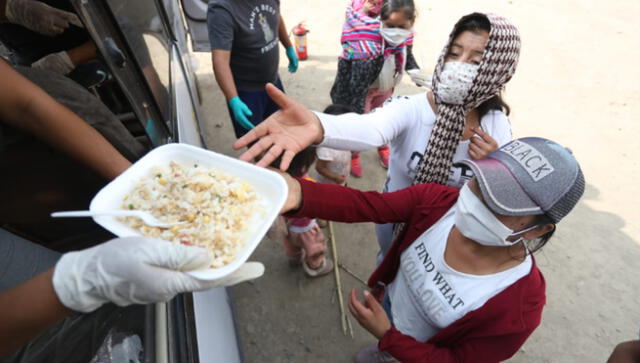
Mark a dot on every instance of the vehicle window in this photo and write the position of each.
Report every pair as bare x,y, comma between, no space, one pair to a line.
143,28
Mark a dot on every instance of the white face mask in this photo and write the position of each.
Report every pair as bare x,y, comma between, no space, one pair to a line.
476,222
394,36
456,80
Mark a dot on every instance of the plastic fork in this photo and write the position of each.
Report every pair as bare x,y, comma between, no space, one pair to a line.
146,217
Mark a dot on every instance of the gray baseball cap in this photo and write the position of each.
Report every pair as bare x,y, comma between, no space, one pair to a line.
530,176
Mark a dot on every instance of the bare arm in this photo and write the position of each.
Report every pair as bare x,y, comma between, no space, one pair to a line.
3,7
27,310
627,352
322,166
222,71
283,34
27,107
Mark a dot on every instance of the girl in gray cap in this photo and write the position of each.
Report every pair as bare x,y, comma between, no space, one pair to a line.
459,283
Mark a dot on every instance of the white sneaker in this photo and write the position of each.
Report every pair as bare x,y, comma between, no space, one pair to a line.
371,354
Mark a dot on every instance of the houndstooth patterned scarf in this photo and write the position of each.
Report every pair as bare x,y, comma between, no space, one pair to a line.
498,64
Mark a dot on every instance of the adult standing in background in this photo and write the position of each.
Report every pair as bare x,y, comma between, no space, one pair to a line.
244,38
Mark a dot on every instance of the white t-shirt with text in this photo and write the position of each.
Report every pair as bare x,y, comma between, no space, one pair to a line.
428,295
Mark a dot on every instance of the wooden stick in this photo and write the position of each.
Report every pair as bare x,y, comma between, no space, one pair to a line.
344,320
353,274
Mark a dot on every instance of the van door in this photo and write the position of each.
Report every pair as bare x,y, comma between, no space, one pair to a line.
195,12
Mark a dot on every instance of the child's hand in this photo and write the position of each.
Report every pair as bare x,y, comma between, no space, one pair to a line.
480,147
370,315
340,179
370,6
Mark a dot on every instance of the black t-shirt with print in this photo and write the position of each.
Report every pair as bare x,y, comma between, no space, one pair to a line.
249,29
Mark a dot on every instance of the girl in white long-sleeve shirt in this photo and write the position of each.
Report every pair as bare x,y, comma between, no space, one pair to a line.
405,123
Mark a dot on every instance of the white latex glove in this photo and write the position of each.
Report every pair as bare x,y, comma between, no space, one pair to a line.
135,270
55,62
40,17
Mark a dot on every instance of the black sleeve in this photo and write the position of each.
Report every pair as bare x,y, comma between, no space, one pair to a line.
220,24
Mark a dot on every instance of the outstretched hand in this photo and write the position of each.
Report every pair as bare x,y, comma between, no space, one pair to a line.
286,132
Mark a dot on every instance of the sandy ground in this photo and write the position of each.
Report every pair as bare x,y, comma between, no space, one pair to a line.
577,83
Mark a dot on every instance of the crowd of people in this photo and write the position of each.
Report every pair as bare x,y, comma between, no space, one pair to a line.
461,214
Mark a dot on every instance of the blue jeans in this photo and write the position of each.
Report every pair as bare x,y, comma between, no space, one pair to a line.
260,104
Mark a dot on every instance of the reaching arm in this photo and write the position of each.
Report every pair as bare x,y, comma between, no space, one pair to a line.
27,310
342,204
221,36
25,106
283,34
222,71
125,271
286,43
295,127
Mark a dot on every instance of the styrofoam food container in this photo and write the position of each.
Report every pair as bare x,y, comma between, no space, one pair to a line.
268,185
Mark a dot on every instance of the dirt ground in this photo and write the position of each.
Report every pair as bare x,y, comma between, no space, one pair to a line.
577,83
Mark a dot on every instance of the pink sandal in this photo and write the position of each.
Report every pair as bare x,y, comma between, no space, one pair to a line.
325,267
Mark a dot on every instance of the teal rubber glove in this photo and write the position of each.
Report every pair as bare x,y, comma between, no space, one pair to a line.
293,59
241,112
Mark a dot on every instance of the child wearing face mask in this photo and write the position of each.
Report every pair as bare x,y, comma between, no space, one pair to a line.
460,283
376,41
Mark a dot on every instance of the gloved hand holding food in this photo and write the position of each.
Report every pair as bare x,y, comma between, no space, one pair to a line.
136,270
40,17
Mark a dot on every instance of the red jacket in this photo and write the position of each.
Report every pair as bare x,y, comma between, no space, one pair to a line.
491,333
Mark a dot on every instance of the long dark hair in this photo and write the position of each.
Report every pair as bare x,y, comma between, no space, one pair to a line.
476,23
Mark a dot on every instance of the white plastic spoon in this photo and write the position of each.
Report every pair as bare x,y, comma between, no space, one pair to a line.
146,217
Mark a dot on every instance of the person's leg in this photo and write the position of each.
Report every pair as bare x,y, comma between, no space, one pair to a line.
292,249
314,245
356,167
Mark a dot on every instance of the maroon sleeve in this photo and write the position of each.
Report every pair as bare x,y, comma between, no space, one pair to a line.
498,346
480,350
342,204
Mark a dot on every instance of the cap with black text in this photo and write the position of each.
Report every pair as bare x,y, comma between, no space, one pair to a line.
530,176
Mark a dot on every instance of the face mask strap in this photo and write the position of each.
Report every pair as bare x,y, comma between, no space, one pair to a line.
521,239
524,230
